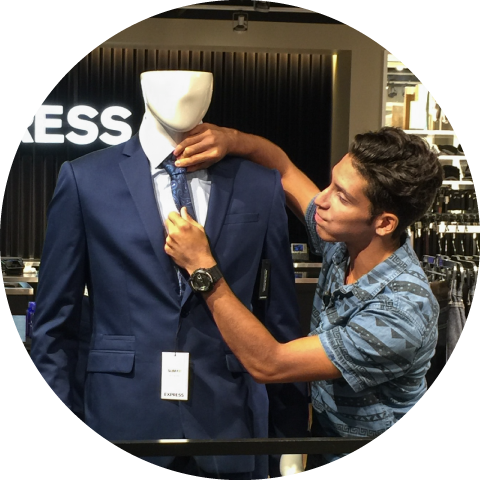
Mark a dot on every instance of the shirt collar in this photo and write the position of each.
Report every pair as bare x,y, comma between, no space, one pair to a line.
376,279
373,282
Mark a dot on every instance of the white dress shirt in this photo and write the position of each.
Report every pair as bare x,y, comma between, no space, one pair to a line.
199,182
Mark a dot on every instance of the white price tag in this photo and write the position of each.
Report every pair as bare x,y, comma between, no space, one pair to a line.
174,376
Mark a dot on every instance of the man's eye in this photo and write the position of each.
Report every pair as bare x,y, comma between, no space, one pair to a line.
342,198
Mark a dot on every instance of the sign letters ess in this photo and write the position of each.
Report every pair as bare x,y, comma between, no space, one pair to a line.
81,123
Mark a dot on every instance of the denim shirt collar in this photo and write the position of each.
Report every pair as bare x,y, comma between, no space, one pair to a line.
372,283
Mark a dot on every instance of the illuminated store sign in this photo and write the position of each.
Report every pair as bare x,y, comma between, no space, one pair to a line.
49,122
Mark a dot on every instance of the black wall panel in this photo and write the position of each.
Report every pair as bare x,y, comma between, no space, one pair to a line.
286,98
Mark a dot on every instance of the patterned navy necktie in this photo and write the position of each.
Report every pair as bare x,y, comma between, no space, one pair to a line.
180,191
182,198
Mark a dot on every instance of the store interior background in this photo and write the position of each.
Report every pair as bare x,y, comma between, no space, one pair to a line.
300,50
360,102
303,80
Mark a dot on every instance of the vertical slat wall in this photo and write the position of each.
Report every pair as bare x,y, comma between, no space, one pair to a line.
283,97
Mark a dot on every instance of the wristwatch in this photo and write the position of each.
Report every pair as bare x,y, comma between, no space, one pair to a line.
203,279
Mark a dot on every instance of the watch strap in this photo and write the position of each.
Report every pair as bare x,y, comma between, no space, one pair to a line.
215,272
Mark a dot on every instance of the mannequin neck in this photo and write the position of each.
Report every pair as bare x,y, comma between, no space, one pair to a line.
156,139
159,131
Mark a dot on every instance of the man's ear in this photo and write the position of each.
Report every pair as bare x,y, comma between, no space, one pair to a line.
386,223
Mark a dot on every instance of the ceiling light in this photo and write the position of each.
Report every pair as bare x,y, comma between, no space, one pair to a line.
261,6
240,22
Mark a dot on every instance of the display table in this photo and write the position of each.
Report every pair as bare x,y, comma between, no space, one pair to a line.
21,327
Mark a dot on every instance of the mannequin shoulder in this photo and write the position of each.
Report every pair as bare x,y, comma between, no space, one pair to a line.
240,165
106,156
95,156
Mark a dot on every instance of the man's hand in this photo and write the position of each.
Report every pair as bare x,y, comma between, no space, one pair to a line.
187,243
205,145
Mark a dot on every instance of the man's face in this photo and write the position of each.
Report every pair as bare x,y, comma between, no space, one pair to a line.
343,210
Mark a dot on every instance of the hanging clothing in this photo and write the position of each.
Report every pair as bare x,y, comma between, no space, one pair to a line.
451,321
456,315
441,290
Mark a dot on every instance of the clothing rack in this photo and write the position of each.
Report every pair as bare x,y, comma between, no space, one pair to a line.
452,280
452,200
451,227
447,234
446,240
463,268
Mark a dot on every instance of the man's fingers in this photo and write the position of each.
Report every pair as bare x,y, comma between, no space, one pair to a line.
201,145
193,137
175,222
185,216
187,143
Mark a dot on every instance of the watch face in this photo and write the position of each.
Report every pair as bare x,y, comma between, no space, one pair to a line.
201,281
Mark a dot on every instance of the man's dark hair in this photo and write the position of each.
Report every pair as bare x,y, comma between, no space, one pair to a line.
402,171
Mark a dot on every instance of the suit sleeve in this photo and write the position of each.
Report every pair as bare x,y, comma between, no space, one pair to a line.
288,403
57,320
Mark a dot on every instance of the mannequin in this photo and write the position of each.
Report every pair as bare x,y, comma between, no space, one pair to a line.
291,463
105,231
175,102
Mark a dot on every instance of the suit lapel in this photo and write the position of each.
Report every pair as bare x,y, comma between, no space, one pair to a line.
222,177
136,171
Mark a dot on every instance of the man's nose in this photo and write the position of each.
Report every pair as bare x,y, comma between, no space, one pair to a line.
322,199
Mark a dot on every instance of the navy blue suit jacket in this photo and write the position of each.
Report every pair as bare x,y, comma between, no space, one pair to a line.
104,231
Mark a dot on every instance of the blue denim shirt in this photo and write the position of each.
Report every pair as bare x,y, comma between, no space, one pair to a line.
380,332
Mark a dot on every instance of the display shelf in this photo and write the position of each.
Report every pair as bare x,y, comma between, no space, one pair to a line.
419,114
306,271
459,161
432,140
443,228
457,183
452,157
306,280
302,265
432,132
20,278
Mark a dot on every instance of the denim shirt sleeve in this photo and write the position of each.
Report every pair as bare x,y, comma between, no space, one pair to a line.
371,349
315,242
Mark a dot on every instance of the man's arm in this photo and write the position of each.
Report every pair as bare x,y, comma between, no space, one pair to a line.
207,144
267,360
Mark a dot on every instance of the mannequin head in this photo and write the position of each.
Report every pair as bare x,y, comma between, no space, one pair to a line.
177,99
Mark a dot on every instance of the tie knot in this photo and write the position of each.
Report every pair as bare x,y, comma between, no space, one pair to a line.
169,165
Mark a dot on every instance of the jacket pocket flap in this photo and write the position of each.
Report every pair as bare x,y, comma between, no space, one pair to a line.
110,362
233,364
241,218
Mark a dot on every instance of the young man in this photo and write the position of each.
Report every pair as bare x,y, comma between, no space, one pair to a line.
374,318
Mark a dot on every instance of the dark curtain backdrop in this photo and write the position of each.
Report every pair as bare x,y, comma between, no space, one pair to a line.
284,97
